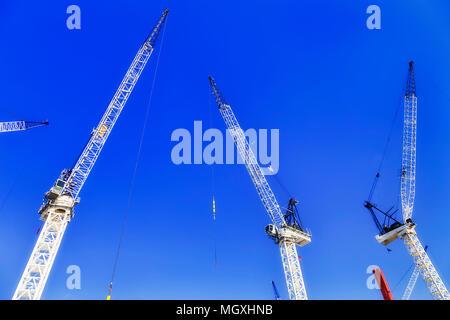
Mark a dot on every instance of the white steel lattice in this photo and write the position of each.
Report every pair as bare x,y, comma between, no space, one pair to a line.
426,268
411,283
12,126
408,186
39,265
289,257
292,271
408,180
20,125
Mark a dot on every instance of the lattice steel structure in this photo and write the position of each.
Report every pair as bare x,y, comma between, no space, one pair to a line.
411,283
408,180
20,125
59,201
286,236
408,190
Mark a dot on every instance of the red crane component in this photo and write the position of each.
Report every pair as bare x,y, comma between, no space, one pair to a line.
382,283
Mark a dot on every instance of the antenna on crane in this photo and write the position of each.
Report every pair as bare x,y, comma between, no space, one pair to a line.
406,229
285,235
59,201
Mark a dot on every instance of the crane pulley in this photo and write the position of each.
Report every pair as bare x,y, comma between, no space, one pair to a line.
57,209
287,236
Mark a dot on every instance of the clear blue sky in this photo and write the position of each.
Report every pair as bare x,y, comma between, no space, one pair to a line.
312,70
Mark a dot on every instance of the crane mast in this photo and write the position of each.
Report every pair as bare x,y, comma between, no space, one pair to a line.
412,281
57,209
285,236
20,125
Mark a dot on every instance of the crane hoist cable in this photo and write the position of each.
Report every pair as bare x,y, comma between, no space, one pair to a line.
386,147
136,165
213,190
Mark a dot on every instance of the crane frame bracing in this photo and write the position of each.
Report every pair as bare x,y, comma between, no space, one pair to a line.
285,236
20,125
406,230
57,209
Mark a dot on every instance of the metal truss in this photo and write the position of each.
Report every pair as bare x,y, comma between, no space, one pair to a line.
84,165
292,271
411,284
20,125
425,267
39,265
408,179
408,191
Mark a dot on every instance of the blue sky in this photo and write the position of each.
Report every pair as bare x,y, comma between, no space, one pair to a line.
312,70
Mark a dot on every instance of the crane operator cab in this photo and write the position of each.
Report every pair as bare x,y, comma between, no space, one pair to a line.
292,230
59,185
56,190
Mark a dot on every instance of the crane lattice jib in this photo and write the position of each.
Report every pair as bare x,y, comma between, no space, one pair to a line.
20,125
425,266
258,178
98,138
288,251
408,178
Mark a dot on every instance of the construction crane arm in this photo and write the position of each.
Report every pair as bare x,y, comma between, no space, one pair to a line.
86,161
57,209
264,191
20,125
408,175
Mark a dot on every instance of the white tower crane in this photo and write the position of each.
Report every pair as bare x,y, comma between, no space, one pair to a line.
406,230
57,209
20,125
285,235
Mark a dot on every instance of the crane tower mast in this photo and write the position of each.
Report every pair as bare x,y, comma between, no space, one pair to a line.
57,209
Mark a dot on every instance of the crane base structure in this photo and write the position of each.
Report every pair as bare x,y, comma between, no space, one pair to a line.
56,215
425,266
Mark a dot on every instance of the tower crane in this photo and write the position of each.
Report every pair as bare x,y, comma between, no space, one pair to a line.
285,232
20,125
392,228
59,201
